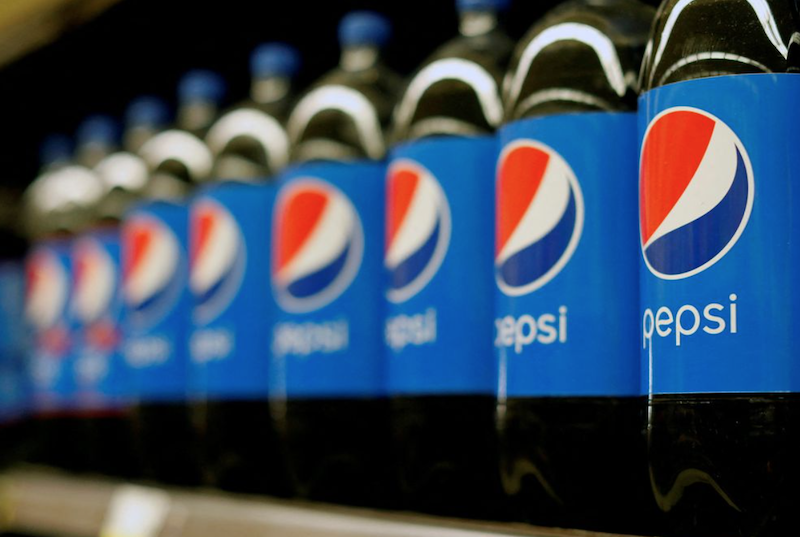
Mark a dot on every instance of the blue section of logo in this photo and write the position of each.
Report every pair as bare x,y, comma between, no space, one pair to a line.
731,327
229,352
575,334
438,337
680,251
334,349
155,347
536,260
411,269
317,282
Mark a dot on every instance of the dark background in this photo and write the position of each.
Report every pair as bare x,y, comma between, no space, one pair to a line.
143,46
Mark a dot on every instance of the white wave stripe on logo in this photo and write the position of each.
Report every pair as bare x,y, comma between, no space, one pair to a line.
327,241
46,298
708,187
96,286
546,210
219,253
418,224
155,270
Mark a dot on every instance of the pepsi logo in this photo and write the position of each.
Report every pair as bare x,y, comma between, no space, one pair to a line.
46,289
94,280
695,192
216,258
151,261
539,216
417,228
318,243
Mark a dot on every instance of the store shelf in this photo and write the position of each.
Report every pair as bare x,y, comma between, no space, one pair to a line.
42,502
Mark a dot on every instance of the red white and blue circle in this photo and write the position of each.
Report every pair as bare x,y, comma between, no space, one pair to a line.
95,279
539,216
318,244
418,227
47,289
151,262
696,192
216,258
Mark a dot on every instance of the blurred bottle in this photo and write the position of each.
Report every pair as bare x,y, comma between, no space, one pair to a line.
327,376
439,188
570,411
14,388
58,205
229,226
718,220
157,302
102,377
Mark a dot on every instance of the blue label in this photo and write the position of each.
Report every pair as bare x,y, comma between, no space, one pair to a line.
13,378
157,303
47,298
327,277
565,257
439,213
12,307
101,374
229,234
718,194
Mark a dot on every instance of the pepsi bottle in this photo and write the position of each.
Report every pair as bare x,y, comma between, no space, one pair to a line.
58,205
157,301
229,226
718,217
570,410
327,369
102,377
14,391
438,340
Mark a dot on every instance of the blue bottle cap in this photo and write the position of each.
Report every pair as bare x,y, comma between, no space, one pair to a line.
482,5
98,128
274,59
201,85
55,148
364,28
147,111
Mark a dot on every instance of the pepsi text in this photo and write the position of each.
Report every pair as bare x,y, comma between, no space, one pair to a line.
526,330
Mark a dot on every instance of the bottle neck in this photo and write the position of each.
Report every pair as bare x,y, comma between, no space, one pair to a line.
135,137
53,165
90,154
474,23
269,89
196,115
359,57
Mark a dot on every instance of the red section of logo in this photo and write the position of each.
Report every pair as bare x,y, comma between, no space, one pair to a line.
399,193
519,177
672,153
296,222
136,242
202,224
